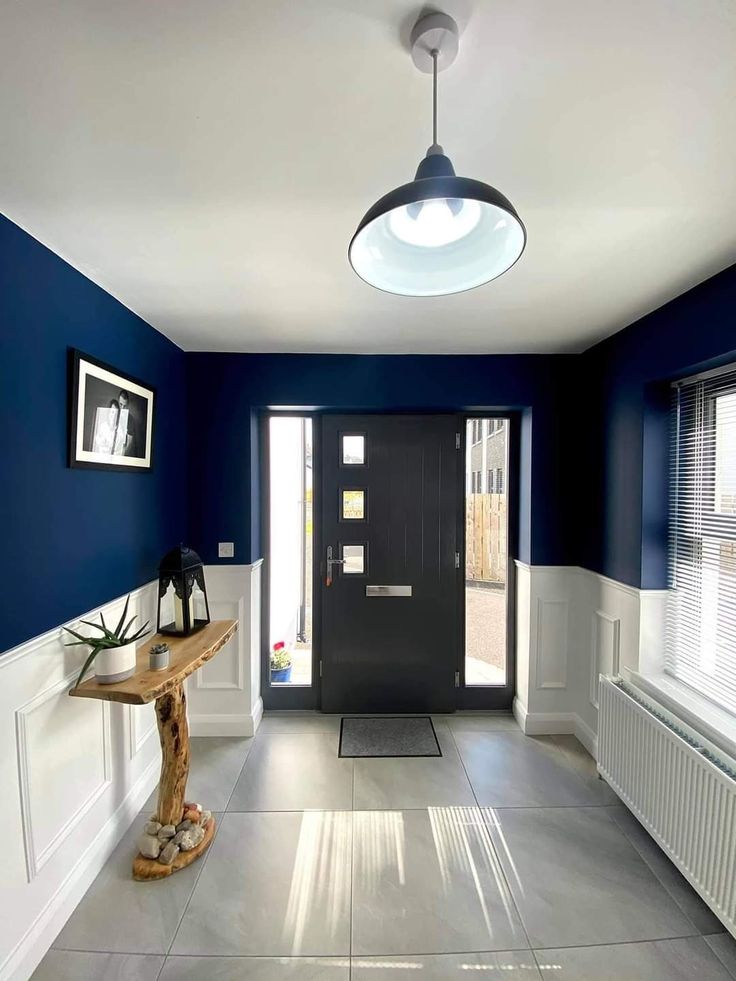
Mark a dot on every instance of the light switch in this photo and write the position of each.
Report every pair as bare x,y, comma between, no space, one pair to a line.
225,550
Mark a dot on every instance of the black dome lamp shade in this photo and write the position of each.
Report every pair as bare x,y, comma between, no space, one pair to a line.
441,233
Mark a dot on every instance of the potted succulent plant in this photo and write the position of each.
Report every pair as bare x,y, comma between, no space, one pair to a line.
113,652
280,663
158,657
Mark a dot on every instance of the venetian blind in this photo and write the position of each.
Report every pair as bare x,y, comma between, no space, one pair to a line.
700,647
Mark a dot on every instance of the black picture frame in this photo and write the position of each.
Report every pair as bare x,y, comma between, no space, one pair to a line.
102,434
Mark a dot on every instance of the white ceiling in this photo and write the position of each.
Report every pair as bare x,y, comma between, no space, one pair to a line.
207,161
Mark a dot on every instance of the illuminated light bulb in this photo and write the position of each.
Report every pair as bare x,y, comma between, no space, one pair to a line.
435,223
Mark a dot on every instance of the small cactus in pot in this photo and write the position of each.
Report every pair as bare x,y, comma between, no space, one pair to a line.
158,657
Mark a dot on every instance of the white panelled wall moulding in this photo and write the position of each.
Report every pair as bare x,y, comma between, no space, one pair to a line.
552,642
76,774
225,696
81,775
572,626
139,734
37,792
605,650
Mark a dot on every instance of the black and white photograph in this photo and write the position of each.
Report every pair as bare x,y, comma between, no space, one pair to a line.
111,417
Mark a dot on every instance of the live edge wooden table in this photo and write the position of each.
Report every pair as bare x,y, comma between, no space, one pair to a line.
187,654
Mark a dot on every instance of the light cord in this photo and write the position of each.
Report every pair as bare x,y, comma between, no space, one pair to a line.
435,54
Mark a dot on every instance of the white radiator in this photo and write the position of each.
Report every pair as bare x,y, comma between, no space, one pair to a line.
679,786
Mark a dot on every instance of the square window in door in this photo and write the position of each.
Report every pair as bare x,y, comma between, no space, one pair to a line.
353,449
353,505
353,560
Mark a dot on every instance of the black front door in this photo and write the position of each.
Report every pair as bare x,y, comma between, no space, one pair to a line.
389,576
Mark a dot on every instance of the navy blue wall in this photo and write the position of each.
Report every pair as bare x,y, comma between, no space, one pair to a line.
623,433
73,539
231,388
593,437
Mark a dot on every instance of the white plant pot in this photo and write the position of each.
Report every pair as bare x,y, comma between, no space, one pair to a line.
115,664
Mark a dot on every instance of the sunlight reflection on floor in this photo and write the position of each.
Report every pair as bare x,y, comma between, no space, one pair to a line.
321,876
464,848
503,966
495,822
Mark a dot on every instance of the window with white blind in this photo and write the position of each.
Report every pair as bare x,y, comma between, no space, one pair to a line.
700,645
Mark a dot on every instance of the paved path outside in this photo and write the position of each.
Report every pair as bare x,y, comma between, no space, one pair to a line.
485,636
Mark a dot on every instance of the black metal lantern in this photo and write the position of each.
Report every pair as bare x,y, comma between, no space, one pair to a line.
182,596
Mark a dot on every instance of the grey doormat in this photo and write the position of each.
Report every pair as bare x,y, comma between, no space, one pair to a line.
400,736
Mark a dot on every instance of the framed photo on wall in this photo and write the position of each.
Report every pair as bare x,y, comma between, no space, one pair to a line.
111,417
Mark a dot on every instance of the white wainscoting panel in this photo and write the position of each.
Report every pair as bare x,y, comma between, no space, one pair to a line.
551,643
256,702
523,639
74,773
604,650
572,625
220,695
58,783
226,670
141,726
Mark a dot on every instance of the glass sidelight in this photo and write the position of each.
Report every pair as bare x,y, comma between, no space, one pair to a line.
290,550
486,551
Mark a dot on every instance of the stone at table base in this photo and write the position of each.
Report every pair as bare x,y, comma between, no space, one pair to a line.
145,869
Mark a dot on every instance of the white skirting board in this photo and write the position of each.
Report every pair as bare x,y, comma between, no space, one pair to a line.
554,723
65,809
221,724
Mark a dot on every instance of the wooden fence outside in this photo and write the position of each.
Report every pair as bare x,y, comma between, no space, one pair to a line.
485,537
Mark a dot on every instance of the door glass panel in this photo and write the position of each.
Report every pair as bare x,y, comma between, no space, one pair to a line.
353,449
353,505
486,556
353,560
290,550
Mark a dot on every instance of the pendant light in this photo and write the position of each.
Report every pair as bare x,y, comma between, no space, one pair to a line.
441,233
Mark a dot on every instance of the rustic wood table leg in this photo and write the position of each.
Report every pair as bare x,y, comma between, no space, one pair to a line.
173,730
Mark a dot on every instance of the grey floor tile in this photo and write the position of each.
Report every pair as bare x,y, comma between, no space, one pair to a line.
430,881
515,965
294,771
274,884
513,770
214,768
724,946
665,960
492,722
75,965
298,722
119,914
668,874
578,880
256,969
582,763
413,781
